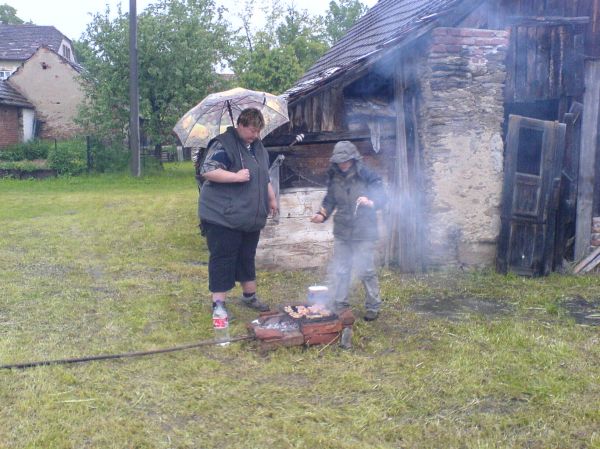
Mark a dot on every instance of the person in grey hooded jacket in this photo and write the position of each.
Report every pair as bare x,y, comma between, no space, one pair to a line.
354,193
234,203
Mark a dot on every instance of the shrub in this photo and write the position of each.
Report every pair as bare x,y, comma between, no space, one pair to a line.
37,149
12,153
108,157
68,157
32,150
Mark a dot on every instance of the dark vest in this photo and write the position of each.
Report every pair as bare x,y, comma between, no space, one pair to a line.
242,206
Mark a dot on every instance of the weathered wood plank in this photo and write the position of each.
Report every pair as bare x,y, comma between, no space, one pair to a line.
404,207
589,148
583,263
548,21
521,67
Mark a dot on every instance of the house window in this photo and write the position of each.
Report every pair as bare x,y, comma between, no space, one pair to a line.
4,74
66,52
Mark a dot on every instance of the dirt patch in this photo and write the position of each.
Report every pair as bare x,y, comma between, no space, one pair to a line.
456,309
583,311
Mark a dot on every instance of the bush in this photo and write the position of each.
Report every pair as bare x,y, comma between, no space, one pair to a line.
12,153
108,157
32,150
68,157
37,149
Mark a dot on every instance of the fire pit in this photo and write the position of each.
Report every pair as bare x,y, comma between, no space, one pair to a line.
300,324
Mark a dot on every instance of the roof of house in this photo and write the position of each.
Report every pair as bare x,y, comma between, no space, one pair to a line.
11,97
19,42
386,25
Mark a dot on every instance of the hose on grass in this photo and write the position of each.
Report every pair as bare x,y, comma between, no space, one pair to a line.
123,355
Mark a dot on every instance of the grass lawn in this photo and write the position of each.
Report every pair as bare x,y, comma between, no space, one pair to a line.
111,264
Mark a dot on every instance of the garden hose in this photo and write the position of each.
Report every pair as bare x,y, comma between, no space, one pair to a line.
122,355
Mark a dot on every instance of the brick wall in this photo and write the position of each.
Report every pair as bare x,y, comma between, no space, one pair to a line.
461,117
9,126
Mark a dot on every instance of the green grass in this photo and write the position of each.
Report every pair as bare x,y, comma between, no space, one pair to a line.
108,264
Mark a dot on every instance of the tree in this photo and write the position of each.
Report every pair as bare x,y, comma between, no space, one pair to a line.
342,14
180,42
273,58
8,15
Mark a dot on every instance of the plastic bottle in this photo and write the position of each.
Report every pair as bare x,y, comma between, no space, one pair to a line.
220,323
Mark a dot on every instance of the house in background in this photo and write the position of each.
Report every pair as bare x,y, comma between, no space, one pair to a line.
19,42
39,63
482,115
16,116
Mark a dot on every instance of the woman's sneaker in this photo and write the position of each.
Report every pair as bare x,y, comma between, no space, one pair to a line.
255,303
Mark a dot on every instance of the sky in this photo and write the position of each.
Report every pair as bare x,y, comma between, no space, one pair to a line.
70,17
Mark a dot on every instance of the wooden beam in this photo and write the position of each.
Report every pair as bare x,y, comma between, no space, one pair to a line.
547,21
403,202
587,159
282,140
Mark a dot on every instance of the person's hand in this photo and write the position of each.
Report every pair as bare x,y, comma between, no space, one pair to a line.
273,207
243,175
364,201
317,218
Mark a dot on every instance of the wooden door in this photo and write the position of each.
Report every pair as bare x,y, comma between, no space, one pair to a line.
532,175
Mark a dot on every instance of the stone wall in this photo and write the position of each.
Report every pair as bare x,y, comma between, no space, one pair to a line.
292,241
461,115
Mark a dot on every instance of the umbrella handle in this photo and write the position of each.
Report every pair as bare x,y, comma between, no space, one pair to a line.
230,112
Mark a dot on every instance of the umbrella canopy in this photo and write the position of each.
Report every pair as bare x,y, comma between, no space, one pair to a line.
217,111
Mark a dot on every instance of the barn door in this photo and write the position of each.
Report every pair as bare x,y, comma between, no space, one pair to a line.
532,173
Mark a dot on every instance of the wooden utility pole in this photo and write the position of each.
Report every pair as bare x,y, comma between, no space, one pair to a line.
134,106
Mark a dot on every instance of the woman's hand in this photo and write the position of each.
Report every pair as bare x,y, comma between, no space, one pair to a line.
243,175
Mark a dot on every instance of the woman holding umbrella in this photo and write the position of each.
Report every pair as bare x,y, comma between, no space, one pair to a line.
235,200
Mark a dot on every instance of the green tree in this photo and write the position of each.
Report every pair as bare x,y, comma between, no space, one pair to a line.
180,42
8,15
273,58
341,15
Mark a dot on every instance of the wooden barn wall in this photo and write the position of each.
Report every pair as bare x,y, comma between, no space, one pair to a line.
545,61
322,111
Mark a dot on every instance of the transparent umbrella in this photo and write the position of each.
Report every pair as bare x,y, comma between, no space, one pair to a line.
217,111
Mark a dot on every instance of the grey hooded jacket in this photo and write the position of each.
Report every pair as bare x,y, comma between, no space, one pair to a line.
350,222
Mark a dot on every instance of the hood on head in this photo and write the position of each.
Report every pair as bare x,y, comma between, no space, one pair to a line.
344,151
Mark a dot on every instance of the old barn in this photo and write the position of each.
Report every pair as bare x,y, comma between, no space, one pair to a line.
483,118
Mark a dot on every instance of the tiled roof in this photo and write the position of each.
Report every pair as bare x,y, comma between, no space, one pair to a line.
19,42
386,25
10,97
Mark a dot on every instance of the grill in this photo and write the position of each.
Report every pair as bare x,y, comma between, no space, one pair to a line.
278,328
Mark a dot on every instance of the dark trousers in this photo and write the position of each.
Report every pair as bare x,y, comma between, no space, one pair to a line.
232,255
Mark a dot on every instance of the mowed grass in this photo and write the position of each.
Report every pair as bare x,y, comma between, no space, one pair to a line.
110,264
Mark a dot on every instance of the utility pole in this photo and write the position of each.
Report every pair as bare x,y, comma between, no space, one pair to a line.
134,105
